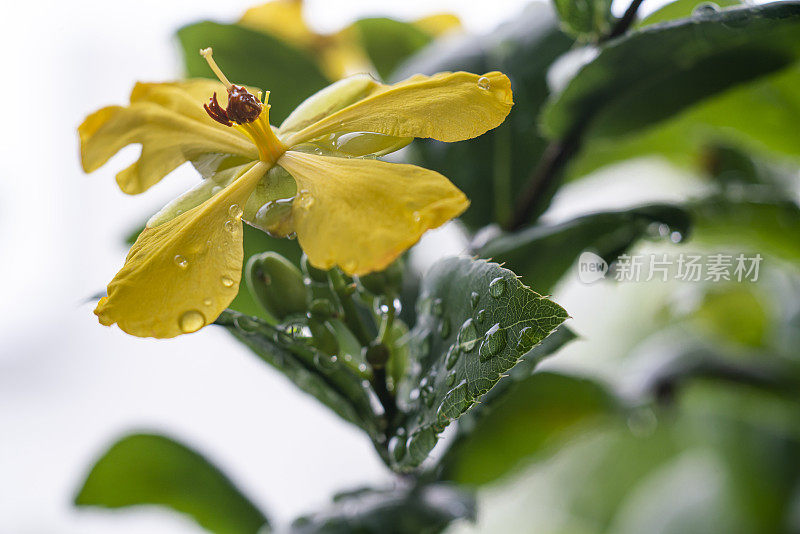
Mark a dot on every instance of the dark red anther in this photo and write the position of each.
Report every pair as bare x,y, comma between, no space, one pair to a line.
243,107
216,112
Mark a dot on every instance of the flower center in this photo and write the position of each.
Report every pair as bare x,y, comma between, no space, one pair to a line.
247,111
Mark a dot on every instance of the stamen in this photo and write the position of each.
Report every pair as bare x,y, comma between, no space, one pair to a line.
208,54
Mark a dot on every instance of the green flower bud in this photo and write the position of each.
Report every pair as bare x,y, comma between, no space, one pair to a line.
386,282
277,285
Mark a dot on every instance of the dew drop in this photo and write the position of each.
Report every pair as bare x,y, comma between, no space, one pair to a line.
232,227
437,308
180,261
484,83
526,339
304,200
452,357
676,237
480,316
191,321
474,298
451,379
235,211
227,281
207,302
497,287
468,335
397,448
705,8
493,342
444,327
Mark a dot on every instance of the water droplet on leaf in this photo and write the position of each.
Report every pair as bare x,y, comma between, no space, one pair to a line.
497,287
493,342
474,298
468,335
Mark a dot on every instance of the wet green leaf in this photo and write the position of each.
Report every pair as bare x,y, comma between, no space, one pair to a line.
142,469
425,509
651,74
542,254
250,57
332,382
475,321
681,9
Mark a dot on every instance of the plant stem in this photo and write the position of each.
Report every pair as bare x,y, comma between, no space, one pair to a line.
624,22
351,316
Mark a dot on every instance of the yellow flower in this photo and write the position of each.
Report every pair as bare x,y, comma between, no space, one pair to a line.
340,54
316,176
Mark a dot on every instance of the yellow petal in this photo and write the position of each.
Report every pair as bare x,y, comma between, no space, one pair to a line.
181,275
447,106
361,214
169,121
282,19
438,24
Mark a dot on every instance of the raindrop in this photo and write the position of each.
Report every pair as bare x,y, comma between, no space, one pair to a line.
180,261
474,298
232,227
676,237
454,403
444,327
304,200
207,302
437,307
452,357
484,83
480,316
705,8
468,335
227,281
235,211
493,342
191,321
497,287
397,448
274,212
526,339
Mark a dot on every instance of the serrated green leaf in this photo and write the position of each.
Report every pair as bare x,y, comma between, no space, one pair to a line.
144,469
655,72
542,254
249,57
333,383
537,413
585,19
492,168
389,42
425,509
475,321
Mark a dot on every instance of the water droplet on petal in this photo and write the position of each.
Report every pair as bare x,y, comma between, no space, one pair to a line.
497,287
180,261
484,83
227,281
493,342
191,321
304,200
468,335
235,211
232,227
207,302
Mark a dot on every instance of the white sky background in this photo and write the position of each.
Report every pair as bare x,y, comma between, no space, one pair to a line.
69,386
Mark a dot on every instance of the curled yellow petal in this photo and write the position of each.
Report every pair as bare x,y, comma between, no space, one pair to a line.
439,24
361,214
168,120
181,275
450,106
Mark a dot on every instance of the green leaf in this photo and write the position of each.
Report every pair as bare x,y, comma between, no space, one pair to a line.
681,9
542,254
475,321
760,117
537,414
424,509
249,57
585,19
333,383
144,469
389,42
653,73
492,168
